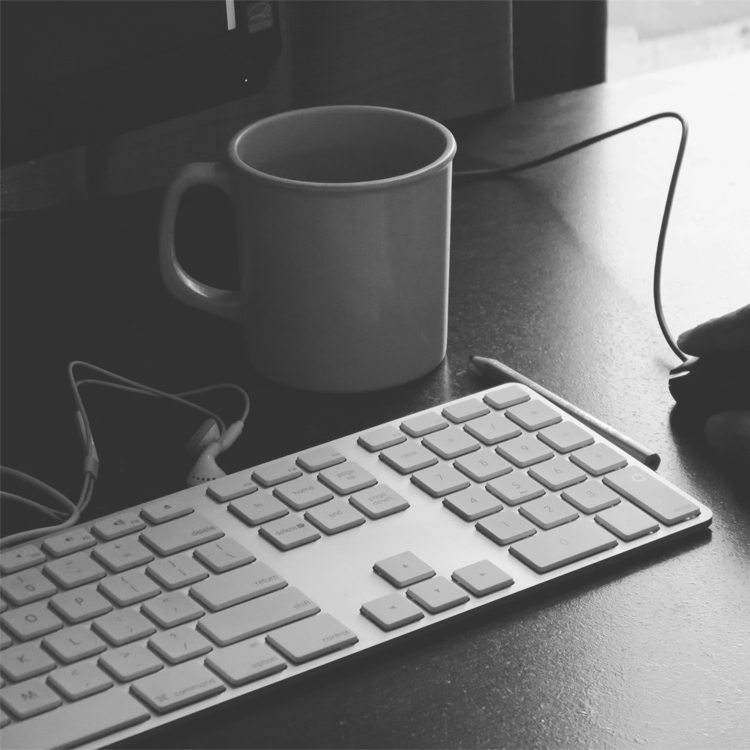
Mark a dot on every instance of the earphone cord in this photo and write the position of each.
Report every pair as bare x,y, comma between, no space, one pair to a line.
72,513
478,174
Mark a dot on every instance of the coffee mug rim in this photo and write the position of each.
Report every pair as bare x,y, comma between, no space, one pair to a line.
433,167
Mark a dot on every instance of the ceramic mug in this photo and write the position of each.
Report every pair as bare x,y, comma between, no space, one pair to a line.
343,219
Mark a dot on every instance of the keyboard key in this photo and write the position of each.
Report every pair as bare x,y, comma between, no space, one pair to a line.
312,638
289,532
245,662
565,436
258,509
231,487
129,588
378,502
74,570
123,554
380,438
557,473
123,626
492,429
79,681
403,569
178,686
482,578
598,459
21,558
506,528
176,571
130,662
172,609
167,509
335,516
525,450
508,395
440,480
257,616
118,526
627,521
28,699
182,534
276,472
74,644
646,491
391,611
26,587
25,661
451,443
408,457
240,585
564,545
224,555
320,458
303,493
31,621
69,542
483,465
591,496
472,503
437,594
423,424
515,488
347,477
533,415
463,411
179,644
77,723
548,512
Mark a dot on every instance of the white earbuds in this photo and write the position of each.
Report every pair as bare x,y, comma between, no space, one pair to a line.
210,443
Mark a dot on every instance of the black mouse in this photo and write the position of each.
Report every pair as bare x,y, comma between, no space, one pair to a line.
713,383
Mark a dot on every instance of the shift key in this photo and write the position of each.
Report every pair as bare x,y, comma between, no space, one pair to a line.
649,493
258,616
181,534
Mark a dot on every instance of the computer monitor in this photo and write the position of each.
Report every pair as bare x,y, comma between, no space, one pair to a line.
74,72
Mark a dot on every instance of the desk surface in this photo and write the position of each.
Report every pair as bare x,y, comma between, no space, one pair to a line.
551,273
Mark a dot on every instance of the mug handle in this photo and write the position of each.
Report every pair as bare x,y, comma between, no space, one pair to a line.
181,284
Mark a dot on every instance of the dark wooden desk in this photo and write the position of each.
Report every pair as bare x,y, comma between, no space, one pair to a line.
551,272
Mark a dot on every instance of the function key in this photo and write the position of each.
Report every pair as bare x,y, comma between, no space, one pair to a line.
116,526
423,424
320,458
463,411
382,437
258,508
507,395
276,472
230,488
21,558
533,415
165,510
71,541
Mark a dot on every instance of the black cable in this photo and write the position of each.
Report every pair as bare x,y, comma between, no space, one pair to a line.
491,172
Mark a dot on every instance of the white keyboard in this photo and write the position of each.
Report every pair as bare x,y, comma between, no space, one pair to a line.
140,618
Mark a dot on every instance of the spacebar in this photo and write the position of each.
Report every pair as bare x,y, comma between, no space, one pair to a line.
77,723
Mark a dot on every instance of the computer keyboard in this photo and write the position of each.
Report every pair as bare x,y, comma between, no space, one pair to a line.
140,618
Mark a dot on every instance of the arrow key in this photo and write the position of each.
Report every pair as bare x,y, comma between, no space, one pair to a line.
391,611
482,578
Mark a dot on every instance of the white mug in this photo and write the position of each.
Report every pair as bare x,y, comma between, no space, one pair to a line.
343,219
